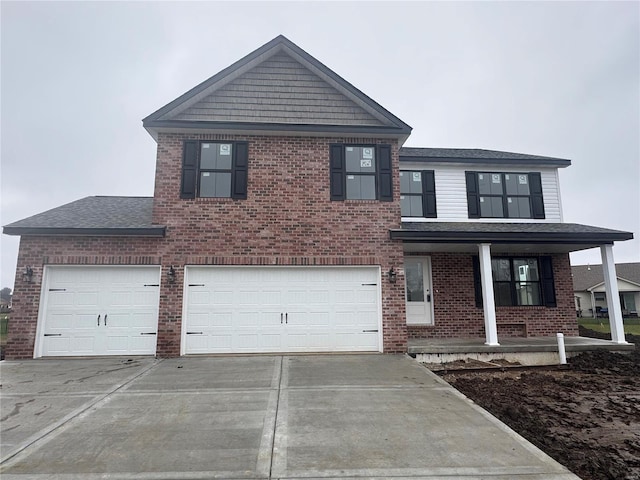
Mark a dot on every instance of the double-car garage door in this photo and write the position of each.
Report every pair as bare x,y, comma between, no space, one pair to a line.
114,310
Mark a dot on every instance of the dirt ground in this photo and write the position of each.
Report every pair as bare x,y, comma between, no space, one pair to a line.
587,416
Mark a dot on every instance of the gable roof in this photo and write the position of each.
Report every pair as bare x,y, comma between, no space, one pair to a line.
475,155
121,216
588,276
278,87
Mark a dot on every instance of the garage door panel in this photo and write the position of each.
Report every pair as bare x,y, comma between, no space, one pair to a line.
58,345
81,345
118,344
139,345
219,320
279,309
248,319
271,342
86,298
215,342
61,298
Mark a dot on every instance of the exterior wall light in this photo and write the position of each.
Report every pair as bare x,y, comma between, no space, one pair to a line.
392,275
171,274
27,275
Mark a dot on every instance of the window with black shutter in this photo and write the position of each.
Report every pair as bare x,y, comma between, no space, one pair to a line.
417,193
504,195
361,172
214,169
518,281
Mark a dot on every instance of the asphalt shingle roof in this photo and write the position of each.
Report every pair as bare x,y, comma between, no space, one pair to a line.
476,155
586,276
97,215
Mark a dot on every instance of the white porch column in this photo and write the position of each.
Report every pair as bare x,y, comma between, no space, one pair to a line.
613,297
488,302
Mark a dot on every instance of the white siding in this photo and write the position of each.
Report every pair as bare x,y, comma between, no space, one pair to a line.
451,192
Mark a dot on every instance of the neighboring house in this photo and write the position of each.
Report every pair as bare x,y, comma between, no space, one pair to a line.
287,217
590,294
5,305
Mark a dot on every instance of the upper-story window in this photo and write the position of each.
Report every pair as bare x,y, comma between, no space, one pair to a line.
361,172
214,169
504,195
418,193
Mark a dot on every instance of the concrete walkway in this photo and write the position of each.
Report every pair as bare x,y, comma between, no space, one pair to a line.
316,416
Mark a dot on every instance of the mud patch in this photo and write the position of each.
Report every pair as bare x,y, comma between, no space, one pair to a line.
587,417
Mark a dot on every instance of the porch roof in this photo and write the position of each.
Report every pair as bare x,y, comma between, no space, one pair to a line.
504,237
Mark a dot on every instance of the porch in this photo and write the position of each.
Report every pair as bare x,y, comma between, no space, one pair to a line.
525,351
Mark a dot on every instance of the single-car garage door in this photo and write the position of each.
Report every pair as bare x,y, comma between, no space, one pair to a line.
99,311
281,309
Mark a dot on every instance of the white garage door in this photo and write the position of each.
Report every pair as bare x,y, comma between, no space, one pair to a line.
281,309
99,311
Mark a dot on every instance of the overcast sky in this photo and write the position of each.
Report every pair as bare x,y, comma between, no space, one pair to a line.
545,78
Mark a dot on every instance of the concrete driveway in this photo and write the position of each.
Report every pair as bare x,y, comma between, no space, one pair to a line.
316,416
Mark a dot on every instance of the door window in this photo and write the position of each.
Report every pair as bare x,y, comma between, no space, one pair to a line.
415,282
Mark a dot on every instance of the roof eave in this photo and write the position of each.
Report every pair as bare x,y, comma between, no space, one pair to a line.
513,237
550,162
156,231
156,126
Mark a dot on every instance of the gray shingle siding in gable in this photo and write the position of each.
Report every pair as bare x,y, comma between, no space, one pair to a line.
279,90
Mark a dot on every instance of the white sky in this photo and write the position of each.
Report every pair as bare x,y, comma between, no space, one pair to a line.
547,78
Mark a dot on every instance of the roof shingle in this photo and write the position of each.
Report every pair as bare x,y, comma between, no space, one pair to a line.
97,215
587,276
476,155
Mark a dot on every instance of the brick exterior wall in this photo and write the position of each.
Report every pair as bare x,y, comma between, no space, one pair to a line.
287,219
456,314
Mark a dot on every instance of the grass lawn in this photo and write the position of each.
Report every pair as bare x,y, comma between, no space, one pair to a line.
631,325
4,321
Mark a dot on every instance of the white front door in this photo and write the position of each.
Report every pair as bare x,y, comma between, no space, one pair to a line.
99,311
419,305
281,309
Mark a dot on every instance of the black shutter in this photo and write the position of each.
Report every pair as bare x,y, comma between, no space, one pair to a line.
537,202
473,199
429,194
477,281
189,169
240,170
385,173
337,172
546,282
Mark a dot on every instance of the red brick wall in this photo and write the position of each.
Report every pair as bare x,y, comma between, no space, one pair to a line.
456,314
287,219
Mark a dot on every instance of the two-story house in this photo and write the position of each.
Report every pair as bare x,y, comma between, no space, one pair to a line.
287,217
